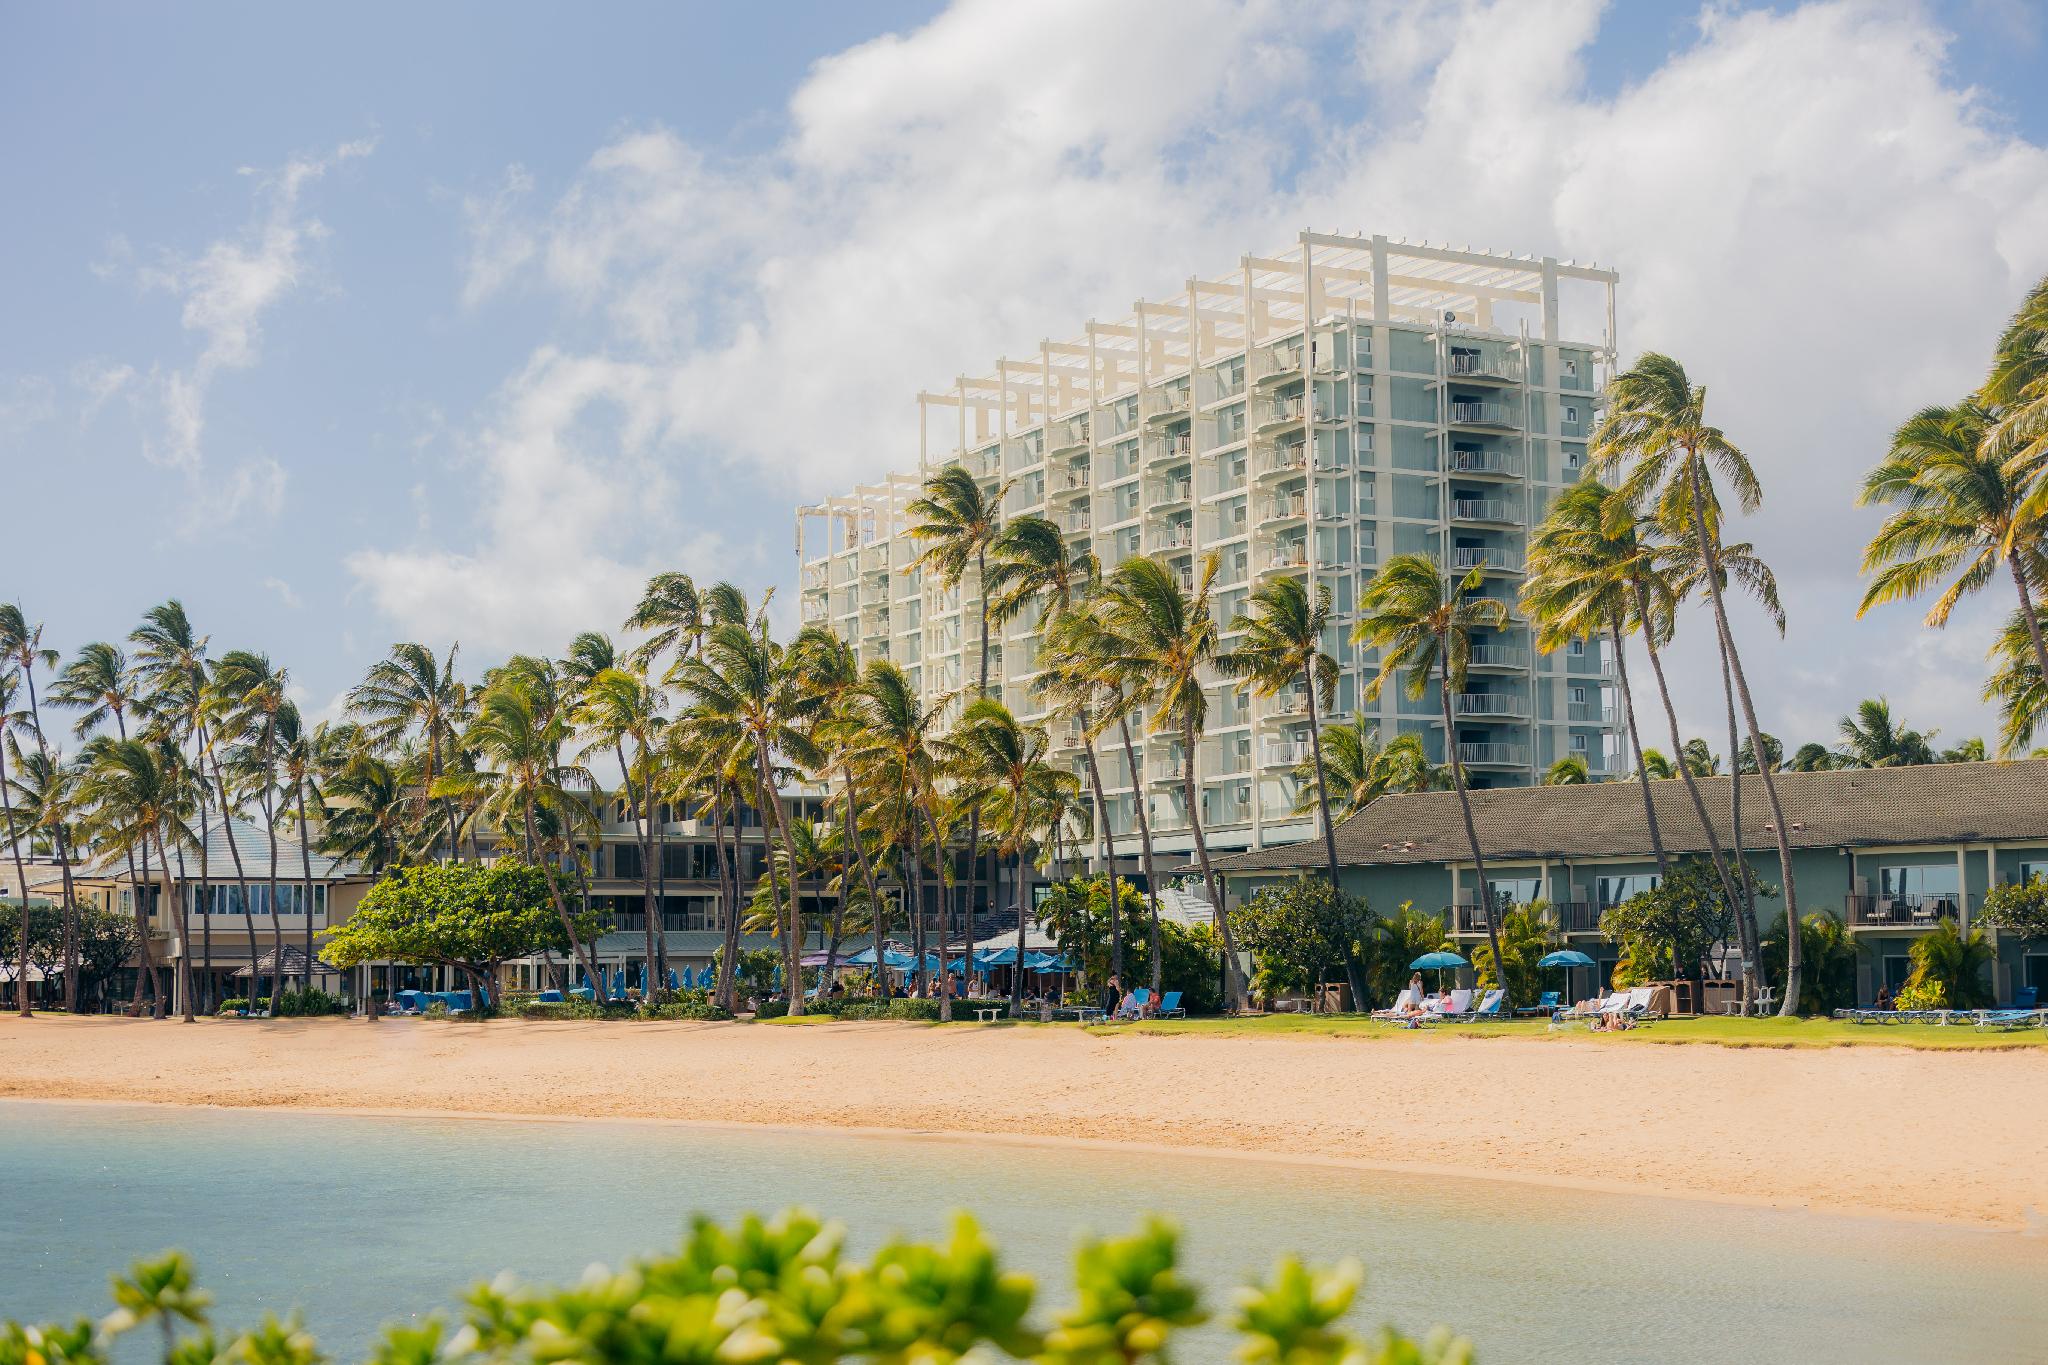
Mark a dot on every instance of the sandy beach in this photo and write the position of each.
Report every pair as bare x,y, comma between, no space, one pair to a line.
1954,1137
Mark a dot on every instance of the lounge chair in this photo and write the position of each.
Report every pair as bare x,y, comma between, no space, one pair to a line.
1547,1003
1574,1014
1170,1006
551,998
1489,1008
2003,1020
2025,998
1133,1006
1402,1002
1460,1008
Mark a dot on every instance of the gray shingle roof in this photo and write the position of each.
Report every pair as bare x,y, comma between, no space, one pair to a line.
1941,803
251,840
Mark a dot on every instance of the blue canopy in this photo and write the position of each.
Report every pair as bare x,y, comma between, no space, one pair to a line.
1000,957
1565,957
891,958
673,984
1438,959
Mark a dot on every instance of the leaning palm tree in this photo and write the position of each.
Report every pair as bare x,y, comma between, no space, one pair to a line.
295,777
44,796
1579,585
1569,771
235,706
1159,641
616,708
1872,737
1423,624
99,685
2017,389
138,795
894,739
672,614
249,684
746,681
958,521
827,667
171,669
1963,509
411,694
21,643
1656,432
363,801
1002,766
520,729
1283,648
1360,769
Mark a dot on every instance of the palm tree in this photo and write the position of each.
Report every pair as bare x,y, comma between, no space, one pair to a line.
1964,506
170,664
1572,771
44,797
1873,738
1362,770
1424,622
957,521
1657,431
2015,684
895,739
411,694
1159,640
616,705
827,667
520,728
1811,758
1581,583
2018,389
1283,647
253,689
1003,768
10,686
363,799
1657,766
138,793
99,686
672,614
236,720
294,750
21,642
746,681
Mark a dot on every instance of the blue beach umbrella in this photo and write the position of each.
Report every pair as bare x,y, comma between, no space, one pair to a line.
1440,960
1566,958
672,983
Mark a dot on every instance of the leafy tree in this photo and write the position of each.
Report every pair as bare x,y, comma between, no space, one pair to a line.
1526,936
1812,758
1676,922
1774,754
1076,913
1829,951
1397,940
1569,771
1299,930
471,917
2017,908
1951,970
784,1289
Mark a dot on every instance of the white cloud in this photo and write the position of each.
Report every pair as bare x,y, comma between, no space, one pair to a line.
1828,240
284,592
100,382
26,402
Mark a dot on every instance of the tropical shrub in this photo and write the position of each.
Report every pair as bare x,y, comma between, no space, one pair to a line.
234,1004
1076,913
438,1010
309,1002
783,1289
1959,965
758,967
2017,908
1398,940
685,1005
1827,954
1525,937
1929,995
1300,933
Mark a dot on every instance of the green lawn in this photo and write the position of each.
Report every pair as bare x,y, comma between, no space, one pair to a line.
1720,1032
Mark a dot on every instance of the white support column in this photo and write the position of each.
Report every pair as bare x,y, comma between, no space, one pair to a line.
1550,298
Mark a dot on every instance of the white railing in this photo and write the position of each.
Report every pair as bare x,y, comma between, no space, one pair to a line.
1494,755
1484,462
1467,365
1485,509
1467,557
1469,413
1499,656
1492,704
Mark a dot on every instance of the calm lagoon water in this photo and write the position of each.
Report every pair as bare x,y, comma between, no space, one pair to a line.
367,1219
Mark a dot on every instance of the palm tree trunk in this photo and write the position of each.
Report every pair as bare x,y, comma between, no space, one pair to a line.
1708,550
1123,725
1685,772
1635,745
792,972
648,912
945,963
1233,979
1315,745
158,1005
68,915
860,858
2019,582
1017,968
305,874
918,975
1745,909
1107,842
276,920
1500,965
241,875
728,891
21,885
205,886
577,951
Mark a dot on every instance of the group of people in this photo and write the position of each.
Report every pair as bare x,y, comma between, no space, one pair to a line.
1119,1004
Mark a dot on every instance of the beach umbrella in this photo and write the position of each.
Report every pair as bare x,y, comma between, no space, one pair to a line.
1442,961
672,983
1566,958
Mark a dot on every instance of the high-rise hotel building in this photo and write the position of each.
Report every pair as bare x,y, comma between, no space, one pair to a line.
1310,413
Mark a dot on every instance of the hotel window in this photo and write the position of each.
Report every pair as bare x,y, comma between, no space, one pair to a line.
1579,745
1576,649
1571,369
1510,892
1612,891
1571,459
1938,883
1578,694
1571,413
2031,871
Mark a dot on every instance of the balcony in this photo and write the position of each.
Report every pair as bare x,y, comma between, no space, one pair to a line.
1493,754
1589,713
1576,917
1281,461
1222,806
1285,507
981,464
1913,911
1285,753
1164,767
1069,434
1067,480
1484,464
1493,656
1487,511
1492,704
1466,412
1178,535
817,575
1276,364
1164,405
1168,492
1283,557
1281,412
1288,701
1465,558
815,611
1476,367
1076,523
1467,920
1176,447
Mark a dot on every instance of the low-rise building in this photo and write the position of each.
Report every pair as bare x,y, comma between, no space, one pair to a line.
1891,852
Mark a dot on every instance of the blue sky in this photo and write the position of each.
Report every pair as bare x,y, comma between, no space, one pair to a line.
455,321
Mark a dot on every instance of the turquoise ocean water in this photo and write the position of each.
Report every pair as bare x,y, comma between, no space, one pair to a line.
364,1219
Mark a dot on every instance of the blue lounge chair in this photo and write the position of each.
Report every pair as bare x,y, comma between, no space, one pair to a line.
1547,1003
2026,997
1490,1007
551,998
2003,1020
582,993
1134,1004
1170,1007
